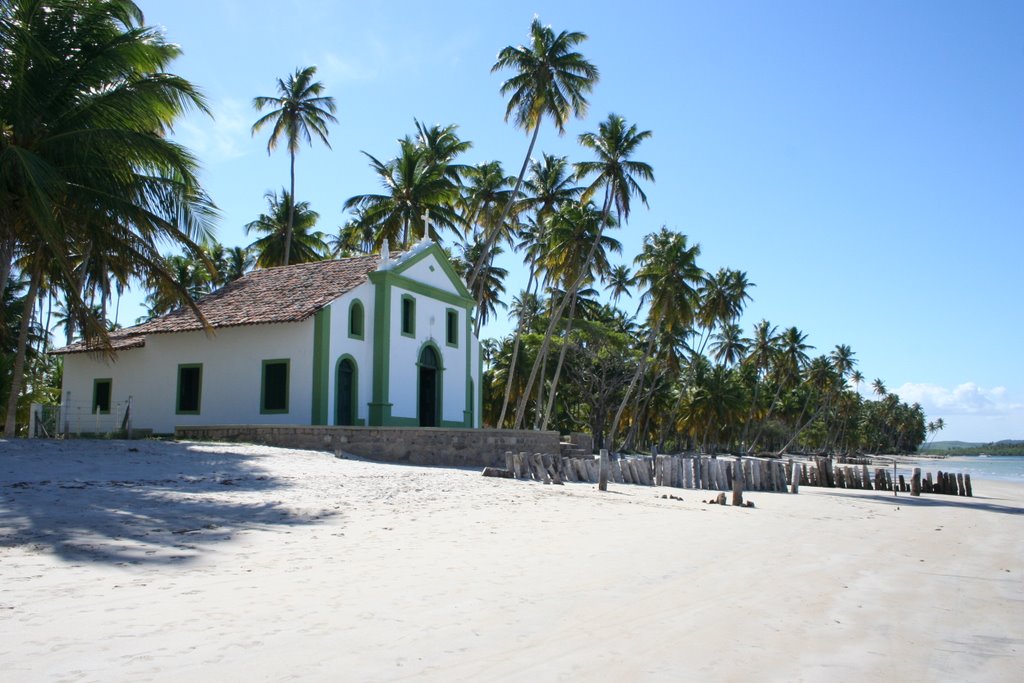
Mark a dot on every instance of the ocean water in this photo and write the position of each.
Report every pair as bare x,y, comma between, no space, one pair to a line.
1005,467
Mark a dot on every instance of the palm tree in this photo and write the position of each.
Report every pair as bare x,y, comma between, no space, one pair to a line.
843,360
620,279
730,345
789,361
298,112
549,187
616,172
571,230
485,193
551,80
284,221
415,183
488,288
879,387
668,272
857,377
86,103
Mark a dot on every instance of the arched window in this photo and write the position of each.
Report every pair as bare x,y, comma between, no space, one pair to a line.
355,319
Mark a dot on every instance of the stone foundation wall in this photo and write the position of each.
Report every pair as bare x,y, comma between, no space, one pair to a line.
416,446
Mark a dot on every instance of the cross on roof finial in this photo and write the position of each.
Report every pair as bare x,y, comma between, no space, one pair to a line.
426,225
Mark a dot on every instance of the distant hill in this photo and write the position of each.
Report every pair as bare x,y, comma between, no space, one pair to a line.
1004,447
949,445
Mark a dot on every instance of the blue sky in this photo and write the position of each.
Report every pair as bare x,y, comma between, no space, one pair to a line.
862,161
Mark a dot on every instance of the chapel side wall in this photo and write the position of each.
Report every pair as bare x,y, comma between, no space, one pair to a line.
360,350
126,373
413,446
232,372
403,378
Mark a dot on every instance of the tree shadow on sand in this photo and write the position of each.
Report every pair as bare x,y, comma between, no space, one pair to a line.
140,502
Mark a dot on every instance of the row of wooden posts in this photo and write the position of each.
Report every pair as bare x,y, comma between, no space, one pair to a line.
721,474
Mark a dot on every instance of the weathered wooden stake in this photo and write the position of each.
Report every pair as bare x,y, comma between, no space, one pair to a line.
797,473
915,482
602,482
737,484
967,486
960,490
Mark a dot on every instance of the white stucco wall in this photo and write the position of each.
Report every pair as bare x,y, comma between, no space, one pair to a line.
232,361
403,372
429,272
361,351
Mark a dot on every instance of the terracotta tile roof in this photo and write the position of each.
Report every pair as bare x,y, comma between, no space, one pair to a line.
272,295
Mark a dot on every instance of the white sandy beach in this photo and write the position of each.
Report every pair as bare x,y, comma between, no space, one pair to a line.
214,562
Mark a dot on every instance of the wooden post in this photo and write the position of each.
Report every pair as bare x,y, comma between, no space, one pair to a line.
602,482
795,485
737,484
915,482
960,491
967,486
659,470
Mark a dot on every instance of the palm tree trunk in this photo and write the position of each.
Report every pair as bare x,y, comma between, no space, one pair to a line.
18,371
6,263
571,292
490,240
764,421
632,383
515,347
291,215
558,368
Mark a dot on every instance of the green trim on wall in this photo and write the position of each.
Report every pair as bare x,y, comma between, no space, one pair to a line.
412,316
361,333
321,365
177,392
110,394
428,291
263,385
480,386
467,413
442,259
380,407
356,420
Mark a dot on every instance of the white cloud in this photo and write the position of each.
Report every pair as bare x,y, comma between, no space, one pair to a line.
224,137
334,68
965,399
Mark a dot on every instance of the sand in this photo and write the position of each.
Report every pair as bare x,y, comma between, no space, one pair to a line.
139,561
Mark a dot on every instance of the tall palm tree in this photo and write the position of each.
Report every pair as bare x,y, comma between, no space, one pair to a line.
298,112
668,272
571,230
878,386
549,187
620,279
551,80
789,361
283,221
415,183
618,174
86,103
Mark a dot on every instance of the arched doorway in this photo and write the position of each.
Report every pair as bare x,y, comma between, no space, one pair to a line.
429,400
345,393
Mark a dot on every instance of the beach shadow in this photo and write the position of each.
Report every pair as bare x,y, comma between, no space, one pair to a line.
133,502
926,500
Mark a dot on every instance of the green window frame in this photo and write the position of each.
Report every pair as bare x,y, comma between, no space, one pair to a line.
190,389
274,386
356,320
408,311
102,395
451,327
